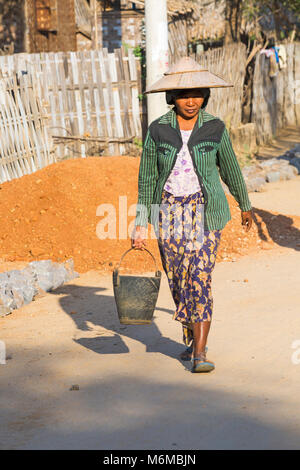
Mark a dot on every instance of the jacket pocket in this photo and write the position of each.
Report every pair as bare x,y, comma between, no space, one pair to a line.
206,158
165,157
207,148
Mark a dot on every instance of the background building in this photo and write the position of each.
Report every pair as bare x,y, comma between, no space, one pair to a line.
45,25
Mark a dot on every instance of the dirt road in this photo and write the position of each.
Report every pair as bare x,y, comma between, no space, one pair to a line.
134,393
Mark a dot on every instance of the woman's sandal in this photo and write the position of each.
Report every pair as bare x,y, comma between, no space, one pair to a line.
188,353
203,365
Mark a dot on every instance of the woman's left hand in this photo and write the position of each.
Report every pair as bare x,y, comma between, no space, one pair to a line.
247,220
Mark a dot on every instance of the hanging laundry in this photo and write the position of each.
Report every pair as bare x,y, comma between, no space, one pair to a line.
267,52
270,53
276,49
274,69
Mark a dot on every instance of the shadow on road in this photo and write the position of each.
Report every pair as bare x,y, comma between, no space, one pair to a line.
95,313
280,228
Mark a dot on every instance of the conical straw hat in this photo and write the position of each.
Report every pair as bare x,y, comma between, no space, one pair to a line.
187,74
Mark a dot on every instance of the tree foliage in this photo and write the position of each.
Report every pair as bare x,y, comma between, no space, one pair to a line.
243,15
259,6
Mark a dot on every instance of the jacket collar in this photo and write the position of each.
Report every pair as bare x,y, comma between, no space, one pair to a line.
171,119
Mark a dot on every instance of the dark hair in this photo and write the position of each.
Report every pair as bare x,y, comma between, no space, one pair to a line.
172,95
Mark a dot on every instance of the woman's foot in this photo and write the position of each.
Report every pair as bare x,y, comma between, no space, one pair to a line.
201,364
188,353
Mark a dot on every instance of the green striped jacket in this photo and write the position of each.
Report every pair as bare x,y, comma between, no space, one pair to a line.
213,156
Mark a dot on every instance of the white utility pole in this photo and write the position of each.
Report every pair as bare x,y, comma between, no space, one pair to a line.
157,55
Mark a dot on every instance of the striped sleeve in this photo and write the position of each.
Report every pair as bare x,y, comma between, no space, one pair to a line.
231,173
148,176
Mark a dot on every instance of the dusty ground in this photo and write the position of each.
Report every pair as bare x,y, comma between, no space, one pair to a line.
285,140
134,393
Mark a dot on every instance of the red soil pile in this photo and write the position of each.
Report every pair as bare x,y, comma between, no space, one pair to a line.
51,214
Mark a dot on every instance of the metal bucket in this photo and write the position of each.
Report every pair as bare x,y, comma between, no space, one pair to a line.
136,296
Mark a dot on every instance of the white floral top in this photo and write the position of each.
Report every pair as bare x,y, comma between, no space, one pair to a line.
183,179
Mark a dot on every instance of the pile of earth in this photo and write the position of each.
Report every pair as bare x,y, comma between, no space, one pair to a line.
52,214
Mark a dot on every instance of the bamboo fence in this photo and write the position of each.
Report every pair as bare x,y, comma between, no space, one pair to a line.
91,98
177,39
24,143
57,105
276,101
228,62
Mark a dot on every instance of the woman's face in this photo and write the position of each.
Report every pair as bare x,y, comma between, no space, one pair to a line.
189,102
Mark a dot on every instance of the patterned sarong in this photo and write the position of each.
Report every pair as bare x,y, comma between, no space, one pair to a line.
188,254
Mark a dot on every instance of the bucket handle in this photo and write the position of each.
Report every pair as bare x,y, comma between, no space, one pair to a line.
116,270
124,254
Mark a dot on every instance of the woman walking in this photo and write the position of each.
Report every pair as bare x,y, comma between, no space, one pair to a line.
184,153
